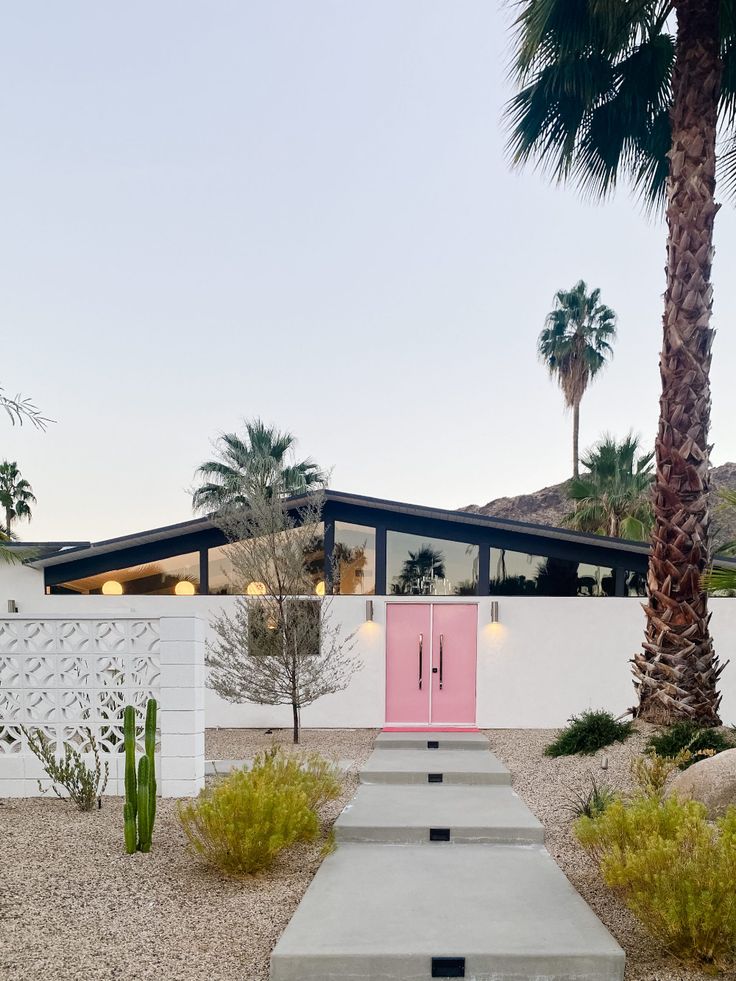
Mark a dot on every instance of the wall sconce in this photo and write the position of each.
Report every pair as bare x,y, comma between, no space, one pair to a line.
494,611
369,609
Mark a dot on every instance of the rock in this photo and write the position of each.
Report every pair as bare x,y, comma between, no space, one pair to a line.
712,781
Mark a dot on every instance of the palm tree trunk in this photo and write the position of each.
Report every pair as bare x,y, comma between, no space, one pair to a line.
8,519
676,675
575,440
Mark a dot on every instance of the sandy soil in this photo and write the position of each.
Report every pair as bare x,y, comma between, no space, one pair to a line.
75,907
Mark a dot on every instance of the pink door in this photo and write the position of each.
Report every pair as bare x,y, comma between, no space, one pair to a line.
430,663
454,639
408,651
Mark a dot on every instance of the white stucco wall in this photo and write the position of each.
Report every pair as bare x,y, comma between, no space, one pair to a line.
546,659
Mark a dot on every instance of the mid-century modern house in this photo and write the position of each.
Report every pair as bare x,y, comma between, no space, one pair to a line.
459,619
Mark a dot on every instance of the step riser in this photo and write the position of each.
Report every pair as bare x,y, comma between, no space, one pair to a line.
420,742
461,836
482,968
467,779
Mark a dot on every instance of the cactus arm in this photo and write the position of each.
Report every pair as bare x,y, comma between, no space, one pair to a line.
144,790
130,829
131,792
151,713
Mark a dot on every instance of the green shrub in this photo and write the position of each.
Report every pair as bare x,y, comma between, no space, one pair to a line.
651,771
674,870
241,823
589,732
84,785
689,736
591,802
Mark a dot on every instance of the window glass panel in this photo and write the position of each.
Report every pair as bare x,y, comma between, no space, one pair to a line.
522,574
176,576
354,559
420,566
223,576
635,583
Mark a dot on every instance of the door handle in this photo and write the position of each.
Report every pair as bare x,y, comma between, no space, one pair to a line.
421,642
442,641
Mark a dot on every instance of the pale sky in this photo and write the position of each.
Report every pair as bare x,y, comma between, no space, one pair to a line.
303,211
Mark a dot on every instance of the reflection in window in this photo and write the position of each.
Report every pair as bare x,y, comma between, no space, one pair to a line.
224,578
521,574
419,566
177,576
635,583
354,559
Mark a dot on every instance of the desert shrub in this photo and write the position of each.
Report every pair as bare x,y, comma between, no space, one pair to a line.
689,736
590,802
674,870
589,732
651,771
241,823
84,785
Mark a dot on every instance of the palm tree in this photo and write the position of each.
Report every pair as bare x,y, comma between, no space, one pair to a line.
427,563
20,408
262,457
718,577
614,496
635,90
16,495
574,345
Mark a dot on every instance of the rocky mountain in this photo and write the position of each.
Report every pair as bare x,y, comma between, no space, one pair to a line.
548,505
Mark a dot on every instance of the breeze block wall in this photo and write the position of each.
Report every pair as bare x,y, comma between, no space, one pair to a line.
64,675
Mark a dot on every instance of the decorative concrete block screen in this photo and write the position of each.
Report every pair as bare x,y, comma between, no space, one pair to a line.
64,676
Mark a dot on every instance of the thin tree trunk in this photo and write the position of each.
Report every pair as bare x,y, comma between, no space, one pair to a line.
8,519
676,675
575,440
295,716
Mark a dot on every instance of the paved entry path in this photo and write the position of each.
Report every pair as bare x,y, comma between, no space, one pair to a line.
440,871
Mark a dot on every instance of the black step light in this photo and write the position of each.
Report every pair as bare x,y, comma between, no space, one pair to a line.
448,967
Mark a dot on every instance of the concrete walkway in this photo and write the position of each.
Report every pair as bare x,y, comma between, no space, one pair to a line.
441,878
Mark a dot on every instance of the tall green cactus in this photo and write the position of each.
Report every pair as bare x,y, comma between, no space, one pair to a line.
139,810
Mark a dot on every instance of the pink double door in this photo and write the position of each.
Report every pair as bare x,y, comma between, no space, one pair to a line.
430,663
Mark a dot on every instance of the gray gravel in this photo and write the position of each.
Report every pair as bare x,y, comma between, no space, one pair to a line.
75,907
545,784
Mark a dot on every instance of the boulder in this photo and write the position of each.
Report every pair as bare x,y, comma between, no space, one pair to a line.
712,781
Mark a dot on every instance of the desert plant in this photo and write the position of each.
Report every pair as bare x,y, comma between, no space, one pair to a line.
242,822
588,732
139,809
689,736
84,785
674,870
652,771
591,802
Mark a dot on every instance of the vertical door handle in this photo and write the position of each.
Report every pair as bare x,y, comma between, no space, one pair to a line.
421,641
442,641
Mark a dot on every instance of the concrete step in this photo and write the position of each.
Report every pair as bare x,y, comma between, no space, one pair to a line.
433,766
434,815
393,912
427,739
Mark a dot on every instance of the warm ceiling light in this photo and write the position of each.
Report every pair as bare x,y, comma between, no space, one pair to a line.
320,588
184,588
255,589
112,588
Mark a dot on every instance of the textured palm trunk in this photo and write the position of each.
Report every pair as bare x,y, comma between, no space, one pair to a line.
576,440
677,672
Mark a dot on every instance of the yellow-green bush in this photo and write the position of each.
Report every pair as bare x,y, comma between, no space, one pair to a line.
241,823
673,869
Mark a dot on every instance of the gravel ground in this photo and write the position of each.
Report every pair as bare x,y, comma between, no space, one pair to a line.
545,784
75,907
337,744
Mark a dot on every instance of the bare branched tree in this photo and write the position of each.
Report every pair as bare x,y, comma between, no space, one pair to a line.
280,644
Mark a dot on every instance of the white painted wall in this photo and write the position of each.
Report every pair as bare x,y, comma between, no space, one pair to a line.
547,658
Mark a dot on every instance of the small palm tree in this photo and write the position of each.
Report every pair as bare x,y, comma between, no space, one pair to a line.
426,563
574,345
261,458
614,496
16,495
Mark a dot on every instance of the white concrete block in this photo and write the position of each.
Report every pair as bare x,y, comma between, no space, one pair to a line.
181,721
182,768
181,788
182,744
12,766
182,699
181,652
182,676
182,628
17,788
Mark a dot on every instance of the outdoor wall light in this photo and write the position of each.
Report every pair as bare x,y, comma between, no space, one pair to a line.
112,588
184,588
255,589
369,609
320,588
494,611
